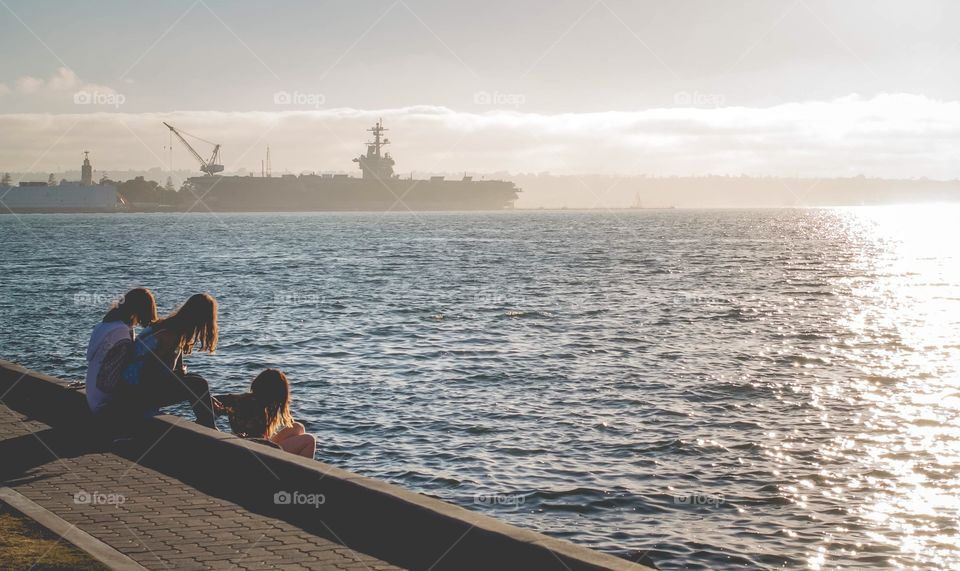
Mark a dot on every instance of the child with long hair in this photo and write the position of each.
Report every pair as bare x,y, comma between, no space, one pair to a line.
137,308
156,376
264,413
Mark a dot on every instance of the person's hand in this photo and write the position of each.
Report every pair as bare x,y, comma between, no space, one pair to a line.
217,405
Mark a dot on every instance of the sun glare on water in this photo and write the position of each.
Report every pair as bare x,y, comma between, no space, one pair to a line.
902,474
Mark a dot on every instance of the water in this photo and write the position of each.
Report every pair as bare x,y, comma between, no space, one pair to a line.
713,388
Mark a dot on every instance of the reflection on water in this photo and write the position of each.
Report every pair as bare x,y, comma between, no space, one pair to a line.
898,459
717,389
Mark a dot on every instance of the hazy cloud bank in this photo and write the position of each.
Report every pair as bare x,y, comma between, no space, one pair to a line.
891,135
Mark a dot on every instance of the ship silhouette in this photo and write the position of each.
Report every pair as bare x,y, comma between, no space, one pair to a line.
378,188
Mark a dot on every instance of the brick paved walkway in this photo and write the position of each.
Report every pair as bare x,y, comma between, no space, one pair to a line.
160,522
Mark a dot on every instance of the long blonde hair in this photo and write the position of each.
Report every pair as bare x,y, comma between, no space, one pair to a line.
271,389
194,323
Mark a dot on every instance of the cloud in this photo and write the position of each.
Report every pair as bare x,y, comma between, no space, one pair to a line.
891,135
62,80
29,85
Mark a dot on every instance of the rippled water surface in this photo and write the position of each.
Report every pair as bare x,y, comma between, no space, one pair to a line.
712,388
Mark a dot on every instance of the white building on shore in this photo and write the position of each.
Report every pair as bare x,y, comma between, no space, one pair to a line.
68,196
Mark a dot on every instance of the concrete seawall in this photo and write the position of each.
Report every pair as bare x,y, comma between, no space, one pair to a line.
382,520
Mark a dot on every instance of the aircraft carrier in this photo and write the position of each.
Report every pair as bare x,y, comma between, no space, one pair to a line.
377,189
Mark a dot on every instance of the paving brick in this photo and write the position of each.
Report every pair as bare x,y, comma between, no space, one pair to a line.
165,523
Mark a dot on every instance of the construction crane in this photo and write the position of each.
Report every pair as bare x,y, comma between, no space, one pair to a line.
210,166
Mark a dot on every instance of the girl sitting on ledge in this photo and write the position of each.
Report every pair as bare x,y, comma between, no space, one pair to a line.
264,413
156,376
137,308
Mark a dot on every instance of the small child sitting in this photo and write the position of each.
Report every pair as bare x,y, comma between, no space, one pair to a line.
264,413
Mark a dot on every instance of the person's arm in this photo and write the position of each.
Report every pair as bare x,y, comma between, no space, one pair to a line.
224,404
178,367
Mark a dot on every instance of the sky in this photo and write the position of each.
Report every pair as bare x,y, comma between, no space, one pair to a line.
766,87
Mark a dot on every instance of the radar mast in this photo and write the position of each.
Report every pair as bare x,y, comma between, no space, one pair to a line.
376,164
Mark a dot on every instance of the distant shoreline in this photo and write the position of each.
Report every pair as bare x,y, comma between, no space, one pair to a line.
956,201
642,192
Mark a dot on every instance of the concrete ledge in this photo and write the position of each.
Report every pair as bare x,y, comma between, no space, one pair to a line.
84,541
371,516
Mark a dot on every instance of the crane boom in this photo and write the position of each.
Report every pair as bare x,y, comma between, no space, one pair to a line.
209,166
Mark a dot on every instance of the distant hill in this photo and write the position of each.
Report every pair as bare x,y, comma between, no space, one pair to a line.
603,191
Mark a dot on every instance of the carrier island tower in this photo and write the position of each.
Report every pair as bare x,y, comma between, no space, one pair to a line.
378,188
